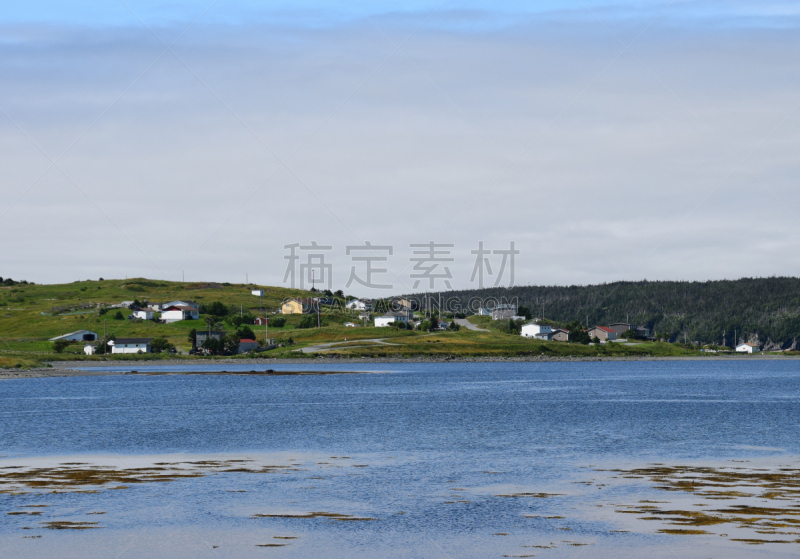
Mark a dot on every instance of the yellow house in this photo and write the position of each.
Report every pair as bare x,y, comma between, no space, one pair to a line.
299,306
292,306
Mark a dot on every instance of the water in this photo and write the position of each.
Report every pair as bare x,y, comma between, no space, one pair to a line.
423,450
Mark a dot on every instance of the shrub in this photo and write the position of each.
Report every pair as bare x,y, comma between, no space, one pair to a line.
119,316
60,345
277,322
308,321
159,345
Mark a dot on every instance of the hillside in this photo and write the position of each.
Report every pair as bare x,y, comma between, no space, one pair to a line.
766,309
31,313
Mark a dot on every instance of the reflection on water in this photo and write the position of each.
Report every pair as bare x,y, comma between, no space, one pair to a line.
686,459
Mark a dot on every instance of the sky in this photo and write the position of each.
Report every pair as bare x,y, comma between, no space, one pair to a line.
606,140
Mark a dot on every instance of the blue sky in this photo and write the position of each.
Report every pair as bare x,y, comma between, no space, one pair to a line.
319,13
607,145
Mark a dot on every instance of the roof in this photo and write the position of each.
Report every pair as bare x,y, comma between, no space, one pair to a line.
71,334
560,330
248,341
751,345
179,308
132,341
394,314
604,329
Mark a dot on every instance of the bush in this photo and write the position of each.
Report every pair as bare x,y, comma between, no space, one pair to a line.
245,332
119,316
60,345
308,321
159,345
277,322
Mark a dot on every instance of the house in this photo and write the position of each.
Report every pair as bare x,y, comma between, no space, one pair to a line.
246,345
504,312
359,305
192,304
261,321
130,345
620,327
401,303
351,325
560,335
602,333
89,349
202,336
392,317
176,313
299,306
536,330
257,292
747,348
484,312
144,314
642,331
77,336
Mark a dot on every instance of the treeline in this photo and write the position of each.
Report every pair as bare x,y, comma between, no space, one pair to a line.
765,310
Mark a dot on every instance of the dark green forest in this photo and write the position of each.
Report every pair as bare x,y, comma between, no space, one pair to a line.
763,310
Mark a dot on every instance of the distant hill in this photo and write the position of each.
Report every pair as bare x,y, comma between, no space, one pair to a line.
766,310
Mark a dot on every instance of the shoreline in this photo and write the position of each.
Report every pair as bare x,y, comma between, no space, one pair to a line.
88,368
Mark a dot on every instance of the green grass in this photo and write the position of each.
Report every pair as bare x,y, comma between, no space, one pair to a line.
24,329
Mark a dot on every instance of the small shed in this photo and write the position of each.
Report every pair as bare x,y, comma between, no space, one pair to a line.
257,292
130,345
144,314
747,348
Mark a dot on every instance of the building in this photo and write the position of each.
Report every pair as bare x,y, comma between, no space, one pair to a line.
192,304
144,314
257,292
504,312
602,333
560,335
747,348
202,336
400,304
484,312
130,345
176,313
359,305
536,330
392,317
299,306
261,321
351,325
620,327
246,345
77,336
89,349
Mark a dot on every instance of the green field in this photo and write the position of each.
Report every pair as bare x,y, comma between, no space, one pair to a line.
31,314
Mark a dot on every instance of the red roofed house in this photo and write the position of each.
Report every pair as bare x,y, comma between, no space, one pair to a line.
602,333
176,313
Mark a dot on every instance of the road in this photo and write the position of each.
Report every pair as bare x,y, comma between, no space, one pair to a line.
468,325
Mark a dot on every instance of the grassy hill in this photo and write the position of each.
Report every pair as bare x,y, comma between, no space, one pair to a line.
32,314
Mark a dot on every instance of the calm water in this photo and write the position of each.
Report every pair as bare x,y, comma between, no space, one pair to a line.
425,450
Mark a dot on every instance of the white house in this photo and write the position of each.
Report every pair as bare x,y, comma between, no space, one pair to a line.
77,336
176,313
484,312
391,317
359,305
130,345
257,292
747,348
535,330
88,349
144,314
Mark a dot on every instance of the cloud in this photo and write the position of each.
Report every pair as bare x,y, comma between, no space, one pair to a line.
674,158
